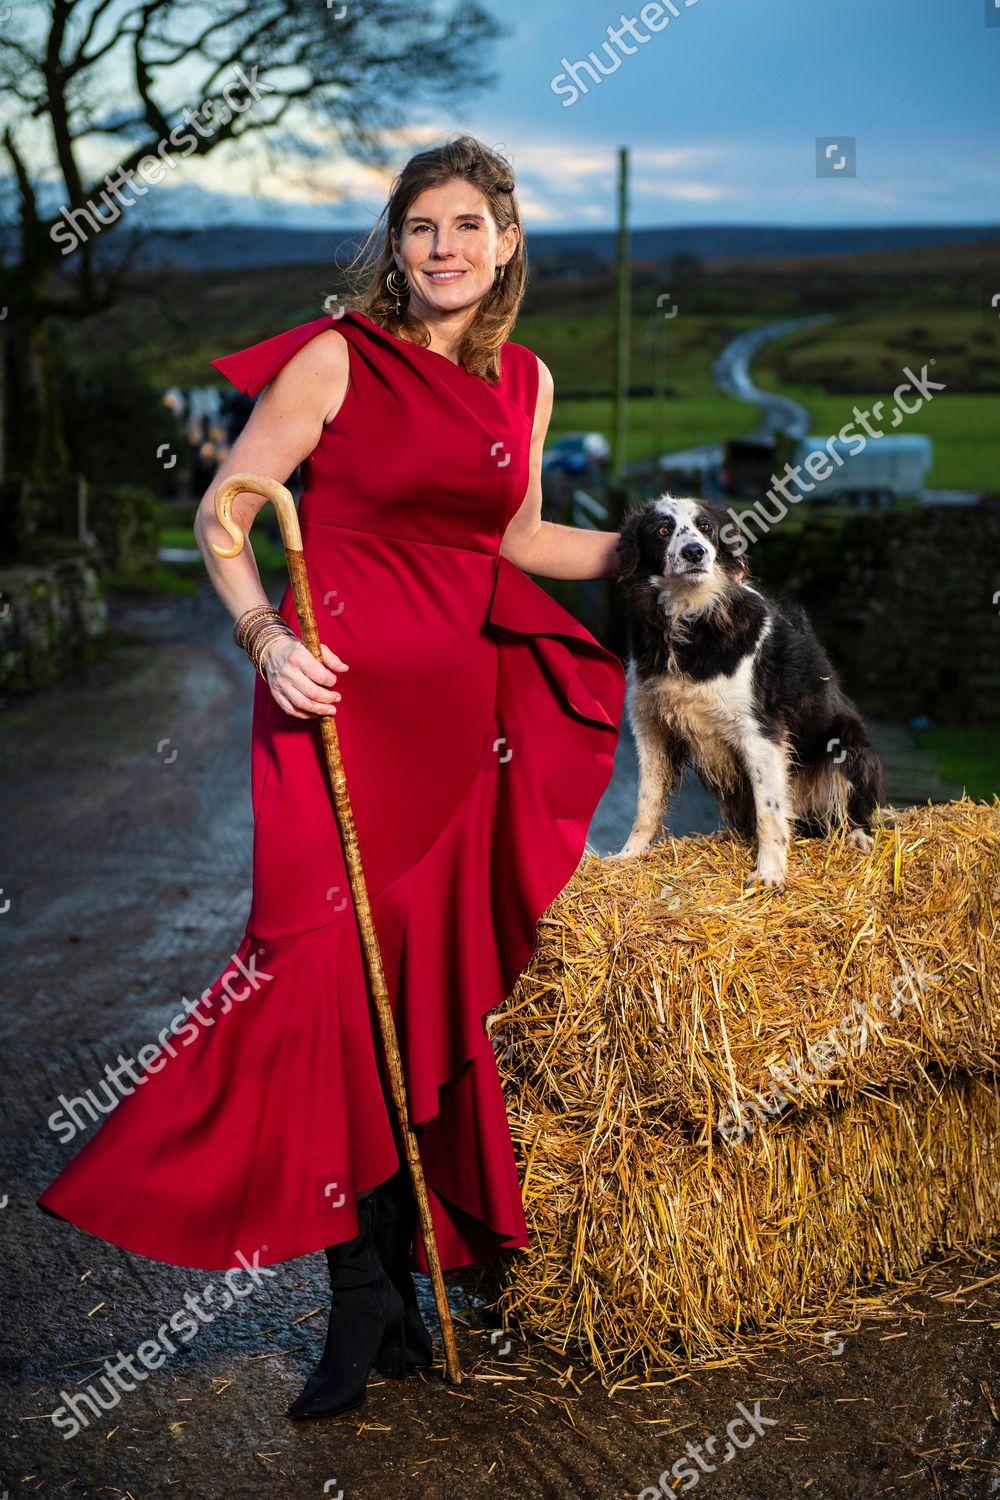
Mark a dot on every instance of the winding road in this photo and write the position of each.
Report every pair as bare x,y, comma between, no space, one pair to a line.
731,372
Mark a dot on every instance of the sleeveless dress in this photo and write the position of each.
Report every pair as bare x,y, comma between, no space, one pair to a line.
477,725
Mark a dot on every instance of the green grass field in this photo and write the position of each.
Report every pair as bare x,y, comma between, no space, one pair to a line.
673,355
853,361
185,321
659,426
969,757
965,431
859,360
668,352
864,351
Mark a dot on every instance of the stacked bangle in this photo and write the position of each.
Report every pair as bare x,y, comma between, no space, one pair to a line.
255,629
258,612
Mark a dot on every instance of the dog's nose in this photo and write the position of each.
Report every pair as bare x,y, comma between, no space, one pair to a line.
693,552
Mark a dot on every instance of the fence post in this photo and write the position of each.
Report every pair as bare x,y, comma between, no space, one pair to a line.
81,508
613,622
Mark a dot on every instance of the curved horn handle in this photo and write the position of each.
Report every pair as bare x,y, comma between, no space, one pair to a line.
256,484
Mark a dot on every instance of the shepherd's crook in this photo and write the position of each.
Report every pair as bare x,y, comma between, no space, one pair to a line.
281,499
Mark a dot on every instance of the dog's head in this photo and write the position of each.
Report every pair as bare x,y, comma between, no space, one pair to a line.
679,545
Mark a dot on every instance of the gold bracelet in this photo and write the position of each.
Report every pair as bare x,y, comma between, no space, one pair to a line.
249,617
260,657
244,626
253,630
264,639
262,627
251,614
267,630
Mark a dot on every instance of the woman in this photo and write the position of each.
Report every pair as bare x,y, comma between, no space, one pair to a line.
477,722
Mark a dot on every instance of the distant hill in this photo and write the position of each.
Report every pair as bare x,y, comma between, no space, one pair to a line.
572,250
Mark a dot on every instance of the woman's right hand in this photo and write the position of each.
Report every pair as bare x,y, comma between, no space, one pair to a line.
300,684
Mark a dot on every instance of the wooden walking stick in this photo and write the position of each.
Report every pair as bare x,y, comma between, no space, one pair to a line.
281,499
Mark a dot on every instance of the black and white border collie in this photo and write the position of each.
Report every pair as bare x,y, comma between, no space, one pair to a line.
721,678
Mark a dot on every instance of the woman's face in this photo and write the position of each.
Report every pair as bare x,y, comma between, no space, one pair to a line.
449,248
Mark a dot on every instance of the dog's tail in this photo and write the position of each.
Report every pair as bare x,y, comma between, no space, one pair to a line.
859,761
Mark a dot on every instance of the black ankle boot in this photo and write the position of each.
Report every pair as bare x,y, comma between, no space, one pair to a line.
366,1318
394,1229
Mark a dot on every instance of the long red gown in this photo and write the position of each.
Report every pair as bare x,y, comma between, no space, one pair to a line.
477,724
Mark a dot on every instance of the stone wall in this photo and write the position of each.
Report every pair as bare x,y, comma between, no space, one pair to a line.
52,608
52,617
904,604
121,519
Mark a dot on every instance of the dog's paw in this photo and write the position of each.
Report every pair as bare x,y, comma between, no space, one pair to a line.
631,850
859,839
768,880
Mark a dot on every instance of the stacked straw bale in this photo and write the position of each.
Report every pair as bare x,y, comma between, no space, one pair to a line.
680,1196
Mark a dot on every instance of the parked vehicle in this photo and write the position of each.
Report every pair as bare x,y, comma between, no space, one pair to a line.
691,471
885,469
843,472
577,453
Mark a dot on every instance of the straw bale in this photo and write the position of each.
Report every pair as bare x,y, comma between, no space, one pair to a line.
658,994
649,1251
658,977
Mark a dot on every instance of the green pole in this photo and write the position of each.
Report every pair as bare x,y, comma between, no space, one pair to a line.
622,318
656,420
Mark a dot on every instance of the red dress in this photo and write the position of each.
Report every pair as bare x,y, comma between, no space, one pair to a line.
477,724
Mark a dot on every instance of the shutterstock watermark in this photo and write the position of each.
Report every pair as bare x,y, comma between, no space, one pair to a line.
70,1417
76,225
849,1034
820,463
569,85
151,1058
836,156
750,1423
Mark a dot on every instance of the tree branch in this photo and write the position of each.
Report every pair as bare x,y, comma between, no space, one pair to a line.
26,193
351,75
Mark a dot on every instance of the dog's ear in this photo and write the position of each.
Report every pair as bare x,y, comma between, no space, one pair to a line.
629,551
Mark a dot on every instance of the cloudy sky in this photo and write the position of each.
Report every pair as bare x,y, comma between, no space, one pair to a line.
721,109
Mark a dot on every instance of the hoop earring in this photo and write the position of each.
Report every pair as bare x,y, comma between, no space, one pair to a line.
395,290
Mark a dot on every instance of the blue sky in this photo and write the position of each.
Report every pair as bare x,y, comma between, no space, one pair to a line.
721,111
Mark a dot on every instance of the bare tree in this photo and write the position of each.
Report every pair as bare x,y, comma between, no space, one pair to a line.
82,78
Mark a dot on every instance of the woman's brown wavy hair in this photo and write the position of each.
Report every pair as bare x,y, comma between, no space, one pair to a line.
475,163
